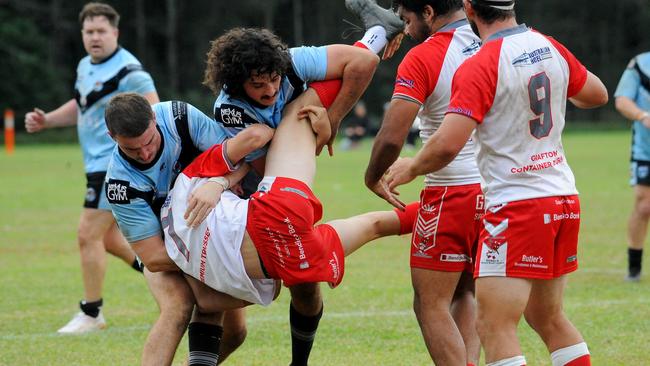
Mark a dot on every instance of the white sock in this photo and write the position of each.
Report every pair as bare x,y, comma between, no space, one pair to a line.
565,355
375,38
512,361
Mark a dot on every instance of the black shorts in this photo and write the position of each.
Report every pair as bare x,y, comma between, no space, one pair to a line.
95,191
640,172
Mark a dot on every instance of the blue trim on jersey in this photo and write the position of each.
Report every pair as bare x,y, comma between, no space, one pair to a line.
453,25
235,114
521,28
95,142
630,86
136,219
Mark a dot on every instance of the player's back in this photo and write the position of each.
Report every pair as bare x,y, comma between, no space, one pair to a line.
522,80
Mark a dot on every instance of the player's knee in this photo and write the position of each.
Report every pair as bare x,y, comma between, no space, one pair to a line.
306,296
642,208
546,323
233,338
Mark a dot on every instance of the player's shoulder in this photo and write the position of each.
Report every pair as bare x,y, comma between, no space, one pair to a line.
124,56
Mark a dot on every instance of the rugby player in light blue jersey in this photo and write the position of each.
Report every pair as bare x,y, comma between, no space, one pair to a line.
255,75
633,102
105,71
152,148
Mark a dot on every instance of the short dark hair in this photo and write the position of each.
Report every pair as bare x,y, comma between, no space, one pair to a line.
240,51
128,115
92,10
489,14
441,7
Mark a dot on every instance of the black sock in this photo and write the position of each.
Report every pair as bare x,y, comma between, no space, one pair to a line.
91,308
634,257
303,332
137,265
204,342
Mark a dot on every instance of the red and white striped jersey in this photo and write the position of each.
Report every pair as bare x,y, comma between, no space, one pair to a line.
516,88
424,77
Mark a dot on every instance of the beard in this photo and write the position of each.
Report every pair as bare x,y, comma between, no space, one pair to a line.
423,32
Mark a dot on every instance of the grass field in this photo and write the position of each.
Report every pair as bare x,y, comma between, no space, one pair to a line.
368,320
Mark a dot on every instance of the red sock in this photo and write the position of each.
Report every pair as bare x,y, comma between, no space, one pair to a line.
584,360
407,217
327,90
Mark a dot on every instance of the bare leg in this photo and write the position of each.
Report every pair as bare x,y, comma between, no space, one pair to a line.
116,244
638,222
501,303
356,231
545,315
93,225
433,292
463,310
234,332
175,302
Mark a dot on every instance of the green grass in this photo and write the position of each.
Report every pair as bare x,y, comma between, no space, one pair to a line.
368,320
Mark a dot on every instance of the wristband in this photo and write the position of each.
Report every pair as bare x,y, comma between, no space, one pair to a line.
222,181
643,115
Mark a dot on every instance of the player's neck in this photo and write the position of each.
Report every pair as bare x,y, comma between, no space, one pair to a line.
487,30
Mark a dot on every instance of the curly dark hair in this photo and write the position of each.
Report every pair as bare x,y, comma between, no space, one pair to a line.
238,53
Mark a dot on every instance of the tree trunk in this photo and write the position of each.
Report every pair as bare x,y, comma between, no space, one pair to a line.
172,63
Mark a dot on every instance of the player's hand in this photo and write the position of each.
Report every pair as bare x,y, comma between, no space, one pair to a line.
320,123
334,125
401,172
35,120
201,201
646,121
392,46
391,196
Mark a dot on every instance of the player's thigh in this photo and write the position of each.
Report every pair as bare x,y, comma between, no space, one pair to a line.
434,287
642,198
502,300
293,148
170,290
94,223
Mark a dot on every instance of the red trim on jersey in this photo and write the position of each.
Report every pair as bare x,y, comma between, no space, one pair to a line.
577,71
418,73
213,162
475,83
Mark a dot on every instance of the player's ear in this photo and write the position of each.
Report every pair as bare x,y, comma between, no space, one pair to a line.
428,13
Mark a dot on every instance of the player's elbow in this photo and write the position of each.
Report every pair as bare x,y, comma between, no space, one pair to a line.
622,104
365,64
258,136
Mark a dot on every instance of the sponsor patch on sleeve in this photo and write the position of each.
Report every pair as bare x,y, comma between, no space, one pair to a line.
117,191
231,115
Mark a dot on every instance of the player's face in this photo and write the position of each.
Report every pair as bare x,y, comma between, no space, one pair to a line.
264,88
99,37
414,25
143,148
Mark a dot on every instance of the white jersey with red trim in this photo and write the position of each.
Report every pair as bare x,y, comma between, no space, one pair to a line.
424,77
211,252
516,88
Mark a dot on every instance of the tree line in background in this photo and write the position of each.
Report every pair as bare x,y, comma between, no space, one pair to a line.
40,42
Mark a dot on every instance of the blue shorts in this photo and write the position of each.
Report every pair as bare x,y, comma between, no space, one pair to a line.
640,172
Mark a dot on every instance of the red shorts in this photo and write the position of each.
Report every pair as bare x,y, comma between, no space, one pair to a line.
447,228
535,238
281,217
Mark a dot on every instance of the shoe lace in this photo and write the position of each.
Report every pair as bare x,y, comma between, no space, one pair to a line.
351,29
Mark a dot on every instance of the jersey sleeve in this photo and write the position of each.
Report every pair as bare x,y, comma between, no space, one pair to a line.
309,63
474,85
630,82
577,71
136,220
138,82
204,131
213,162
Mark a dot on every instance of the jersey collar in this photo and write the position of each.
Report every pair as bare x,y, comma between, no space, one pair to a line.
453,25
521,28
107,58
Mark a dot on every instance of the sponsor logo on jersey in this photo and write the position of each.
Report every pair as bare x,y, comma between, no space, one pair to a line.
531,58
472,48
231,116
459,110
400,81
204,254
334,263
566,216
547,218
571,258
116,191
531,261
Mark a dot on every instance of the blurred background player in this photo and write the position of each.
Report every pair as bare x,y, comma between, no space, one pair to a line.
355,127
448,224
106,70
633,102
514,92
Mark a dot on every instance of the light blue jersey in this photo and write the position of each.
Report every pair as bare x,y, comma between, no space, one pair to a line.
635,84
95,85
136,191
309,64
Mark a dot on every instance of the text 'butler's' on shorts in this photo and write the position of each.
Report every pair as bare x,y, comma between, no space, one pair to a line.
535,238
281,217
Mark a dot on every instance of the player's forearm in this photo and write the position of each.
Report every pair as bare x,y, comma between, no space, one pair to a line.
356,77
65,115
433,156
384,153
629,109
